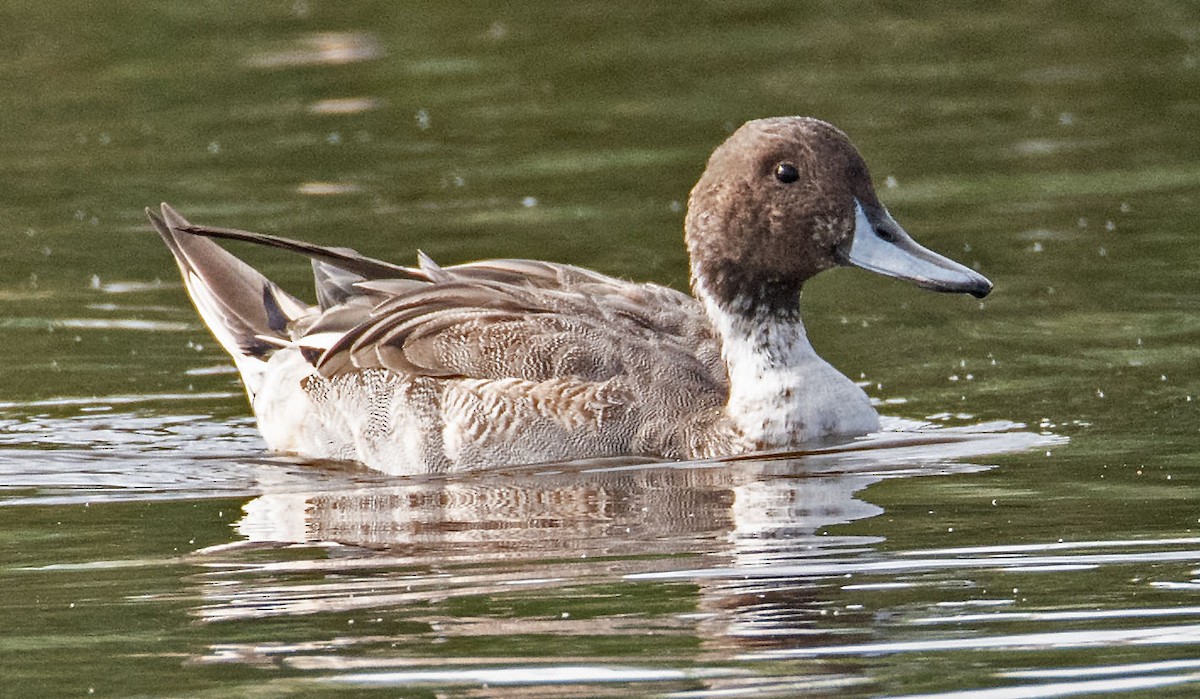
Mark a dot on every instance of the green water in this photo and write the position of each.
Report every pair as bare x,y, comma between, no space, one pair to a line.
150,547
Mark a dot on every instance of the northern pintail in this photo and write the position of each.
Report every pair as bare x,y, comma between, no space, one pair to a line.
516,361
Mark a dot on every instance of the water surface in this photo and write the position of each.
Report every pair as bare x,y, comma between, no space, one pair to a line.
1039,537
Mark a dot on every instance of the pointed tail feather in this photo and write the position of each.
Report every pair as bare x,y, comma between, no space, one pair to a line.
247,313
341,258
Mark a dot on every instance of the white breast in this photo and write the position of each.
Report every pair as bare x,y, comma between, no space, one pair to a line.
780,391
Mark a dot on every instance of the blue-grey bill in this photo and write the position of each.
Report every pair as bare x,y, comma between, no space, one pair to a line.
895,254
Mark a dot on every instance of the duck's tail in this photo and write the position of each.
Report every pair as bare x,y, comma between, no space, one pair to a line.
247,313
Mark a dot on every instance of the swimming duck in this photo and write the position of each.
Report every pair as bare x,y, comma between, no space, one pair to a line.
429,368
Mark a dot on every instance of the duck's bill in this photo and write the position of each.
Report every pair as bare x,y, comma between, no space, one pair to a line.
881,245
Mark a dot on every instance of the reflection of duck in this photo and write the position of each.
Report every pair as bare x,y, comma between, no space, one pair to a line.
756,505
511,361
416,540
525,528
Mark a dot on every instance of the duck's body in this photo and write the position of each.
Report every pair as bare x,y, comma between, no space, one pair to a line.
518,361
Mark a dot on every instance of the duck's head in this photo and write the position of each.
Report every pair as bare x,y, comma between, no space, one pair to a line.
785,198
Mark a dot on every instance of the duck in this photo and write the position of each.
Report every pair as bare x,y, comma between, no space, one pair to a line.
429,369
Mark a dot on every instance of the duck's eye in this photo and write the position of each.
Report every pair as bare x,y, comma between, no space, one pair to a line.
885,235
786,173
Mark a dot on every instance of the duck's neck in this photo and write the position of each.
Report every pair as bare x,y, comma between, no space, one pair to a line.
781,392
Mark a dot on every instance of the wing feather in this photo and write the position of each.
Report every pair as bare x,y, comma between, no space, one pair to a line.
532,321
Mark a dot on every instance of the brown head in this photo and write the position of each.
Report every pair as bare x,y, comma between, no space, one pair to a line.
786,198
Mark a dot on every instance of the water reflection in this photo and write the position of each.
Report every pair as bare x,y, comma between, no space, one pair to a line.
412,545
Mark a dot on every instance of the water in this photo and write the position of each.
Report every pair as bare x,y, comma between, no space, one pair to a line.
1040,537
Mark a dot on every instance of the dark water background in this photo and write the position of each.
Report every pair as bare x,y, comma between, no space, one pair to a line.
1047,545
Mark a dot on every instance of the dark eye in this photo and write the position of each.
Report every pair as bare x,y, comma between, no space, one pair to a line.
885,235
786,173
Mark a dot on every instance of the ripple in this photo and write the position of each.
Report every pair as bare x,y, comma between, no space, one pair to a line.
328,188
108,401
102,455
531,675
326,48
926,564
138,324
1050,640
1061,689
344,105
